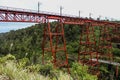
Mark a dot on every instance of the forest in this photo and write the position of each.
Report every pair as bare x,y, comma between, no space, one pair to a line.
21,56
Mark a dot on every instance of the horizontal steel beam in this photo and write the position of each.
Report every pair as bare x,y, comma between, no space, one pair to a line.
9,14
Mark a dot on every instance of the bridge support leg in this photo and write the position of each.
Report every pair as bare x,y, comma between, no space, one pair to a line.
105,45
116,34
54,42
87,48
117,68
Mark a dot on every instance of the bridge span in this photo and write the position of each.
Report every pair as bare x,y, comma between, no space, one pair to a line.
56,38
10,14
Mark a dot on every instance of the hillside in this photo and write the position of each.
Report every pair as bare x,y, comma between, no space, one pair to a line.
26,43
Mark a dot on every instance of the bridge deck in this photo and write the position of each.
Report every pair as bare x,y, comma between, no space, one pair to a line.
10,14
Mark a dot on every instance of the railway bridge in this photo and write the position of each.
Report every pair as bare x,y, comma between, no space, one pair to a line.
56,38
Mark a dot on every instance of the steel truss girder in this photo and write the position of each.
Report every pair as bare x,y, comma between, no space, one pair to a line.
9,14
20,17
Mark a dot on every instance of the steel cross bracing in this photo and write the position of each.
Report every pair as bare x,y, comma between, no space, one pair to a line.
105,44
87,43
9,14
54,41
87,47
116,34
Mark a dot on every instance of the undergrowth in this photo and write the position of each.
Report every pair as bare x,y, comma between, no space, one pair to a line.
12,69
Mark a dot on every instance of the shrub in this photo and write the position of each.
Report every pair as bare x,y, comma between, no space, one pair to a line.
116,51
18,70
79,72
10,69
22,62
7,57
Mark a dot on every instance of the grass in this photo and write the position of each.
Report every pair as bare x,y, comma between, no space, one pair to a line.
10,70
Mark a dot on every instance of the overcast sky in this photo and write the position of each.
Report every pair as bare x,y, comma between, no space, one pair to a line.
104,8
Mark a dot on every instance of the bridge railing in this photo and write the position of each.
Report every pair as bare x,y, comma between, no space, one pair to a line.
16,9
35,11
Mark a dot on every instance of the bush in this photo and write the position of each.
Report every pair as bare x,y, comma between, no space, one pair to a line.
22,62
18,70
7,57
79,72
116,51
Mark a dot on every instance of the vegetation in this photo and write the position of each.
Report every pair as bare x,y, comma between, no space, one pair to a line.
21,52
12,69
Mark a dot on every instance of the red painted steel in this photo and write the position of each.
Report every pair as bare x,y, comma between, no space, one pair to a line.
116,34
117,72
105,44
8,14
86,43
87,47
54,34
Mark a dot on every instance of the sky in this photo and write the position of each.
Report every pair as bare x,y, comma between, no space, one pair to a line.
103,8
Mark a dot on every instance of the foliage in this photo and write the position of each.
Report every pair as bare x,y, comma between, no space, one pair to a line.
14,73
79,72
7,57
25,45
9,70
116,51
21,63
